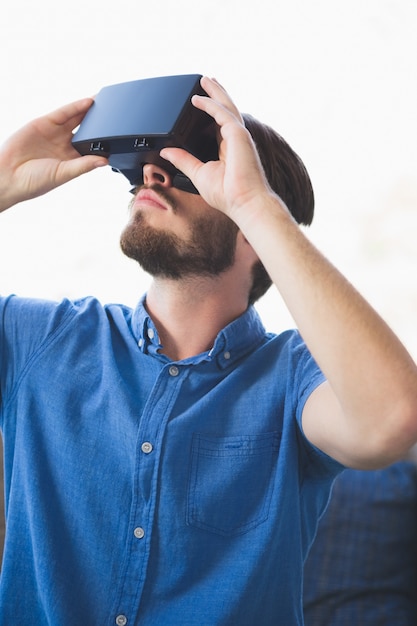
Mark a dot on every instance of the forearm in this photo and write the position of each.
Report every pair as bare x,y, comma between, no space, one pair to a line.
369,370
372,379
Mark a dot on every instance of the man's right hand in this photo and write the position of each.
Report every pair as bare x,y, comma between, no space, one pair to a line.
40,156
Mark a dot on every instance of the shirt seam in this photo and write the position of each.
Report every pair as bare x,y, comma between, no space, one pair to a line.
49,339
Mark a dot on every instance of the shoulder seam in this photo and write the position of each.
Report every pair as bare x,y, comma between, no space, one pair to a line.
49,339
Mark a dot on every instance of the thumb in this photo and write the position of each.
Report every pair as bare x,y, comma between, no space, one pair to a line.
81,165
182,160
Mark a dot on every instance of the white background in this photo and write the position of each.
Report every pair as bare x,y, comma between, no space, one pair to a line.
337,79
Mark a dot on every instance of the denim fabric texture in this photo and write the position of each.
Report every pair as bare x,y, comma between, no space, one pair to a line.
145,491
362,568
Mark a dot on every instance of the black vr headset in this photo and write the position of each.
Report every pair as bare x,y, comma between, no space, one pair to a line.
129,123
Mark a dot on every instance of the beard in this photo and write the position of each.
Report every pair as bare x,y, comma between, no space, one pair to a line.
208,251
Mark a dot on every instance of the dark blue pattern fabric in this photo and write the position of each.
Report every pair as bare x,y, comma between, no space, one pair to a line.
362,568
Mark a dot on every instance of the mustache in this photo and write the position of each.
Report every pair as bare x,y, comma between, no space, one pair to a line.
160,191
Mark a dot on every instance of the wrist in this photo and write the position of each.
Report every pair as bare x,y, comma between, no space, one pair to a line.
5,201
6,198
259,209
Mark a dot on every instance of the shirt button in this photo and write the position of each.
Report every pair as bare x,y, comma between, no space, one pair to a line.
173,370
226,355
121,620
151,333
140,342
139,533
146,447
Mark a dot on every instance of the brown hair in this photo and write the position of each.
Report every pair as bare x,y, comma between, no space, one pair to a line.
288,178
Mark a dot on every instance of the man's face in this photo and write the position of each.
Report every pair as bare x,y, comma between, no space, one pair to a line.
175,234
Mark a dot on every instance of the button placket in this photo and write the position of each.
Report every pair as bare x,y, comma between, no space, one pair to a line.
160,402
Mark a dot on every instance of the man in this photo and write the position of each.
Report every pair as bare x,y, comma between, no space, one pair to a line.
167,466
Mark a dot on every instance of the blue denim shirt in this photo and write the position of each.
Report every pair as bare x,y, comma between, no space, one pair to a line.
145,491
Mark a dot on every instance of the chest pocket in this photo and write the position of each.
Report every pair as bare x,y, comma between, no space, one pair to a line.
231,482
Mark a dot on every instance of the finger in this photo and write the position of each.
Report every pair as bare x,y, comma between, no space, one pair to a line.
217,92
221,114
72,112
65,119
182,160
217,83
212,86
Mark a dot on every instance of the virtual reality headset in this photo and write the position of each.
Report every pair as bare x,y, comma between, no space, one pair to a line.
129,123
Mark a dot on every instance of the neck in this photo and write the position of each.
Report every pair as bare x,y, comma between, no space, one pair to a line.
189,313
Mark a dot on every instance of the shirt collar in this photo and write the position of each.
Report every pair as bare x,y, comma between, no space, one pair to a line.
238,338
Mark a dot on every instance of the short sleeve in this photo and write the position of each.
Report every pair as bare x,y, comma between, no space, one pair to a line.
26,326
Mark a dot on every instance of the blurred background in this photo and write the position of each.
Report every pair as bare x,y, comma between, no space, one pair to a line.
338,80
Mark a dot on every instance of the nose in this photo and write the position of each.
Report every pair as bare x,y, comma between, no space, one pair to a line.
154,174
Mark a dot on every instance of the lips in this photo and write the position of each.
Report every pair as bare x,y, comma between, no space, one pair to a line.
147,197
